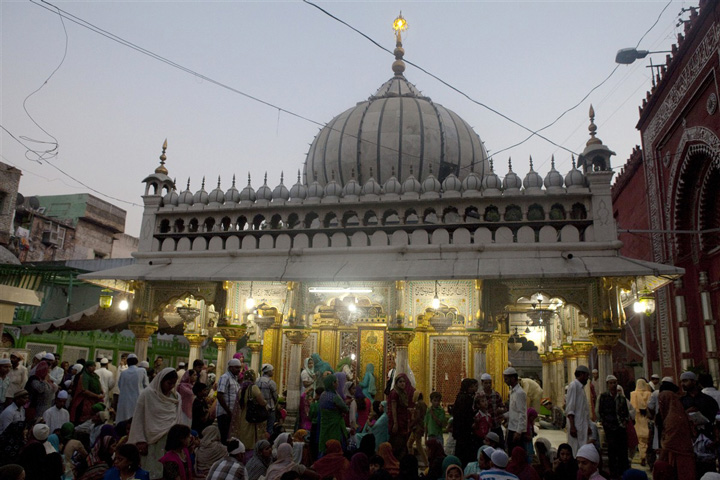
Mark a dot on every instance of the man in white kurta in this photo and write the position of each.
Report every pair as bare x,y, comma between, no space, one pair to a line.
517,410
56,416
577,410
132,381
107,380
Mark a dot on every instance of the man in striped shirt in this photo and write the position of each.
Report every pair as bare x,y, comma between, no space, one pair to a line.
230,467
495,405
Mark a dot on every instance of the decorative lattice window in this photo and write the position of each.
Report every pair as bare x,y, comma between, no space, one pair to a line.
449,366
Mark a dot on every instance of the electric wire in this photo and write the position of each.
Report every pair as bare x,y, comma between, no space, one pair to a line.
447,84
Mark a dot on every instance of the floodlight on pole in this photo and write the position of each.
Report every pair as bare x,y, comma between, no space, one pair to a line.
626,56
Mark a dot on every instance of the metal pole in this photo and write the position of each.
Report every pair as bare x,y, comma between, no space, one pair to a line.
644,345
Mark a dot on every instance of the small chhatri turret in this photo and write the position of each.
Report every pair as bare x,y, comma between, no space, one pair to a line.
281,192
532,181
491,182
248,193
574,178
201,196
392,186
264,192
352,188
186,197
217,196
553,180
512,180
159,180
596,156
232,195
371,187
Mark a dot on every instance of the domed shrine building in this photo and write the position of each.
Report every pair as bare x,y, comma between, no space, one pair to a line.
398,242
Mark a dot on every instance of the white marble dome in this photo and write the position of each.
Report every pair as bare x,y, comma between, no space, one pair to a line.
281,192
264,192
232,195
574,177
201,196
217,195
553,179
398,128
248,193
186,197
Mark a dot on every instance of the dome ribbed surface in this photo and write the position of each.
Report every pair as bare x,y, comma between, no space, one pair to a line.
397,128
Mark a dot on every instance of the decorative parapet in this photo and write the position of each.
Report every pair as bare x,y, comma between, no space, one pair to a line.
605,340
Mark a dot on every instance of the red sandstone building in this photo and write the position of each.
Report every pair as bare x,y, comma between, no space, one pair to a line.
668,194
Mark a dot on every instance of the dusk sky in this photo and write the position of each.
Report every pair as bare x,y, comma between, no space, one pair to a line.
110,108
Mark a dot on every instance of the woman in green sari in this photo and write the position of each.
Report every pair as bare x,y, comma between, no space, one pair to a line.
332,407
87,392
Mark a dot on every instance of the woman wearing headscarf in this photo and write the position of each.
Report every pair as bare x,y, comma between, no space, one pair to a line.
100,459
566,467
210,449
308,375
345,366
399,404
257,466
284,463
392,465
333,463
87,392
332,408
321,367
364,407
463,417
639,400
448,462
73,449
454,472
359,468
298,441
369,389
519,465
676,444
185,392
42,392
279,440
155,413
248,433
544,465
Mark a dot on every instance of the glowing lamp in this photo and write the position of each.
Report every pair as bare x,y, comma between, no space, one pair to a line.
106,298
249,303
123,305
435,303
400,24
645,303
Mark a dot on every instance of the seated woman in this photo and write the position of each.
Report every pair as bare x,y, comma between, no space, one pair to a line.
285,463
126,464
176,462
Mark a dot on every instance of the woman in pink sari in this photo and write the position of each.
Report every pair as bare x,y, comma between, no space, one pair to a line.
185,391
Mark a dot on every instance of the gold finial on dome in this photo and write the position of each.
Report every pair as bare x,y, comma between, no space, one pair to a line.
161,169
399,25
593,129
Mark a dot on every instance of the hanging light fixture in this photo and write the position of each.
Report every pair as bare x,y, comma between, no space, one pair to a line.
645,303
106,298
514,341
250,301
436,299
123,305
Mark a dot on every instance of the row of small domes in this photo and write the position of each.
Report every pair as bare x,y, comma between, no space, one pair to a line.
532,181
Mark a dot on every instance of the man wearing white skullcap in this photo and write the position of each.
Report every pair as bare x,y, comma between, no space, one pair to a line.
57,415
517,410
577,409
131,382
499,460
268,388
588,459
614,415
230,467
18,375
496,407
228,387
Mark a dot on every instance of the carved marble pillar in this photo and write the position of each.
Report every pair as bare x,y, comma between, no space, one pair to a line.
296,337
479,343
546,377
419,355
605,340
402,339
400,292
196,341
142,333
255,349
558,367
571,362
232,334
583,350
221,358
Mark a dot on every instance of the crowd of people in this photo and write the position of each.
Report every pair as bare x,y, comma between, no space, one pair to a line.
93,421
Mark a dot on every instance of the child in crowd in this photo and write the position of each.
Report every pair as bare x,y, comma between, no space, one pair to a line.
435,419
377,469
483,420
